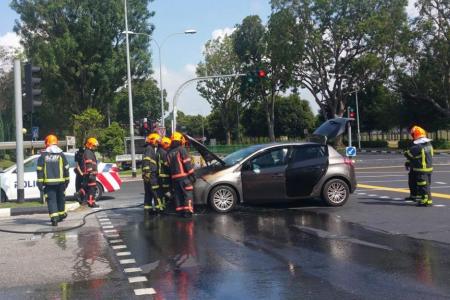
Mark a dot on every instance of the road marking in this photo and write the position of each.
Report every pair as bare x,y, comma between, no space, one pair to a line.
439,182
107,227
137,279
385,197
398,198
104,219
132,270
399,190
372,195
110,230
439,205
382,176
119,247
140,292
361,193
125,253
116,241
112,236
402,180
127,261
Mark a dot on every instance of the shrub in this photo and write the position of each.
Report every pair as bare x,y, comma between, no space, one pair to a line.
441,144
374,144
404,144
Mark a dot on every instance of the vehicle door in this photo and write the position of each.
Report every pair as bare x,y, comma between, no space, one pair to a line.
330,130
30,179
263,176
70,191
307,164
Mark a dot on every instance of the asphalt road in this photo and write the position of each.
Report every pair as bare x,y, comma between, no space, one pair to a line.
375,247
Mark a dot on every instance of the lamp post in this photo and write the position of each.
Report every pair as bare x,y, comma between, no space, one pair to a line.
130,98
159,46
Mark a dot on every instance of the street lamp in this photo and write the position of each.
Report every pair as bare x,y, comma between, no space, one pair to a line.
188,31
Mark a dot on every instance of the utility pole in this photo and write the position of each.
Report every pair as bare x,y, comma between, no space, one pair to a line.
19,132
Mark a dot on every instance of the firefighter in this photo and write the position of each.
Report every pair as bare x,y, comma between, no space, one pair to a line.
420,157
163,170
80,183
53,178
152,201
90,170
182,175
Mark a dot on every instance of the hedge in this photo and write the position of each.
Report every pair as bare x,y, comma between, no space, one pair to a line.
437,144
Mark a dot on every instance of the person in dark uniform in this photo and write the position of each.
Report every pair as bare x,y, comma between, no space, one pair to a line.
80,184
90,170
163,170
152,201
53,178
182,175
420,158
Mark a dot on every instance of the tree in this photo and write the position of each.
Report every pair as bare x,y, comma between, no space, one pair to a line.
342,45
87,124
80,47
258,47
111,140
192,125
425,78
220,59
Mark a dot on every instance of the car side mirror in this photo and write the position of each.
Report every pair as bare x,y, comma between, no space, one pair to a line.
256,169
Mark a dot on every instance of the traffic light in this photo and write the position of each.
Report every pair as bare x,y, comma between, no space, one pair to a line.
32,87
256,76
261,73
351,112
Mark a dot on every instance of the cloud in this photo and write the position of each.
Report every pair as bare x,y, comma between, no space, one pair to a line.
220,33
189,101
10,40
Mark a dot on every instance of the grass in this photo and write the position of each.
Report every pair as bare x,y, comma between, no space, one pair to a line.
6,163
14,204
128,172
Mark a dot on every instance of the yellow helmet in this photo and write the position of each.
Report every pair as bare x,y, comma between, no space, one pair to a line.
51,139
418,132
91,143
177,136
152,139
165,143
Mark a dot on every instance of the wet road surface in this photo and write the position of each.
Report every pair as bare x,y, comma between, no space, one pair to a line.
280,254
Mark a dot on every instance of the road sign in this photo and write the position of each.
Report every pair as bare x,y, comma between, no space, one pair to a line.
350,151
161,131
35,133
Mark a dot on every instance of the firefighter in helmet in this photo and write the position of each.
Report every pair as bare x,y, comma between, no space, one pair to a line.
163,169
152,201
420,158
90,170
182,175
53,178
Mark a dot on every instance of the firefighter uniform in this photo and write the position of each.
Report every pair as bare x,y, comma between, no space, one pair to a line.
80,183
53,178
90,170
420,157
152,201
163,174
182,175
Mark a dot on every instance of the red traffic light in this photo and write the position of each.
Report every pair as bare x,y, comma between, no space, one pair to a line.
352,114
262,74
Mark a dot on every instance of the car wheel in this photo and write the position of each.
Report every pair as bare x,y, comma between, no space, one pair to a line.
99,192
335,192
223,198
3,197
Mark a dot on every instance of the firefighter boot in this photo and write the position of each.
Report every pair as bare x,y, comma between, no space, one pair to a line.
62,217
425,201
54,221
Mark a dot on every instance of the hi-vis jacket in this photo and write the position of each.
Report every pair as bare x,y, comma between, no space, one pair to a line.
163,165
179,163
420,157
89,162
52,167
150,166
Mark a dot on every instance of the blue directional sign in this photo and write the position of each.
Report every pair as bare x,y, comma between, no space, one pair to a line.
350,151
35,133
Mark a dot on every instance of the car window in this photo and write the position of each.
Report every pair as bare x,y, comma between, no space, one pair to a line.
270,159
307,152
30,166
71,160
239,155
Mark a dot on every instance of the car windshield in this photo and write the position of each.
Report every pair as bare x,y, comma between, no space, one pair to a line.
237,156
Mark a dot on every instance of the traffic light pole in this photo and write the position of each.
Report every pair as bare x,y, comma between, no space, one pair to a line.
19,127
349,129
357,121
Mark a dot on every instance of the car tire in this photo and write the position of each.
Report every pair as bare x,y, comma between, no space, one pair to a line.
3,197
223,198
335,192
99,192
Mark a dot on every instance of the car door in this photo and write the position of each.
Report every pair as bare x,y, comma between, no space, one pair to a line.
263,176
307,164
30,177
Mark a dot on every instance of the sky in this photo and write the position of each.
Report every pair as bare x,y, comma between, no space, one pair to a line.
181,53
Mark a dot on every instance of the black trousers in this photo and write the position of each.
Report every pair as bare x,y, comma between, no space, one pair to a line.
56,201
423,181
152,199
412,183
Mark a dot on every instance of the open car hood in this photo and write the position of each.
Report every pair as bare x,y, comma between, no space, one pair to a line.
206,154
330,130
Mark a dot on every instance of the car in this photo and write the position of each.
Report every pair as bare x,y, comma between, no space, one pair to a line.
108,179
277,172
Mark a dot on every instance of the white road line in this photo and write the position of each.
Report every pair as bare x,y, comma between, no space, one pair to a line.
409,201
104,219
110,230
398,198
385,175
132,270
372,195
119,247
372,181
126,253
116,241
439,182
440,187
140,292
137,279
107,227
361,193
439,205
112,236
127,261
385,197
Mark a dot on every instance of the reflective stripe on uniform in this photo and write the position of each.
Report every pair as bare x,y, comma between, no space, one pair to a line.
39,168
54,215
421,183
423,169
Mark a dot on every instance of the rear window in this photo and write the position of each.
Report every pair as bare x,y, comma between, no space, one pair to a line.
308,152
